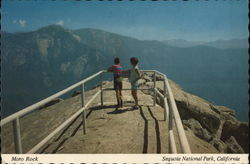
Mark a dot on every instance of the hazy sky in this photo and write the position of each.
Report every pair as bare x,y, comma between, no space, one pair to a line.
150,20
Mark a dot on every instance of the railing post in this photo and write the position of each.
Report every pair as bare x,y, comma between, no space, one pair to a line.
101,89
165,107
154,88
84,111
166,114
17,136
165,87
172,145
166,110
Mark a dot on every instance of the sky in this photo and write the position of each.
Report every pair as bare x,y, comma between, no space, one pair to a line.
145,20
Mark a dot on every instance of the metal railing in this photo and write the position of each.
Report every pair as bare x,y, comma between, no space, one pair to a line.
173,114
14,118
169,114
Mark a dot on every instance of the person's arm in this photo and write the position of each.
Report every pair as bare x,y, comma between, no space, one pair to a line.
126,71
138,72
110,69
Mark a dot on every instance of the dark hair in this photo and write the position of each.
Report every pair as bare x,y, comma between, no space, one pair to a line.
117,61
134,60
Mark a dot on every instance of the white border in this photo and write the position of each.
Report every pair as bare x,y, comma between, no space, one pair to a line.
126,158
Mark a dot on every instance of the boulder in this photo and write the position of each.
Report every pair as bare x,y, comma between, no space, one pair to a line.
141,82
191,109
223,109
225,113
219,145
146,77
150,77
159,77
233,146
191,106
149,84
239,130
197,129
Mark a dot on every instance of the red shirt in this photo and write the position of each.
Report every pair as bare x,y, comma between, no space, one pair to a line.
116,69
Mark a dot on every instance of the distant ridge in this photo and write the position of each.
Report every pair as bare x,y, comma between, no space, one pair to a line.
232,43
221,44
182,43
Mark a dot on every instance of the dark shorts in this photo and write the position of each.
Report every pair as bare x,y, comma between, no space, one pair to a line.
118,83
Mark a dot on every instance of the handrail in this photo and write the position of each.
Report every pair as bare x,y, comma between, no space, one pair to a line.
169,114
181,133
15,117
62,126
46,100
159,73
175,114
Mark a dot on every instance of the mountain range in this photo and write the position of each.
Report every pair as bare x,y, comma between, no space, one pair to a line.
39,63
221,44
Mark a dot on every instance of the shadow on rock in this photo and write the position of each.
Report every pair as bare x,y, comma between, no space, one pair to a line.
119,111
102,107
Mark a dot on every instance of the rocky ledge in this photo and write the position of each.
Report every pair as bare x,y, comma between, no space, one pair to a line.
214,124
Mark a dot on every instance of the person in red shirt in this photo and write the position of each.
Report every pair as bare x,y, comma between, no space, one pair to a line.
117,73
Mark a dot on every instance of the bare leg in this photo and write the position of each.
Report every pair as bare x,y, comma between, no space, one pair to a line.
120,97
134,94
120,93
117,97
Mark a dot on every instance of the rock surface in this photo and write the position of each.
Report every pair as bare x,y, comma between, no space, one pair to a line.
238,130
212,123
233,146
197,129
55,101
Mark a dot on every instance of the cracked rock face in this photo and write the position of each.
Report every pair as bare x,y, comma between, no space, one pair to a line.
197,129
238,130
233,146
217,125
